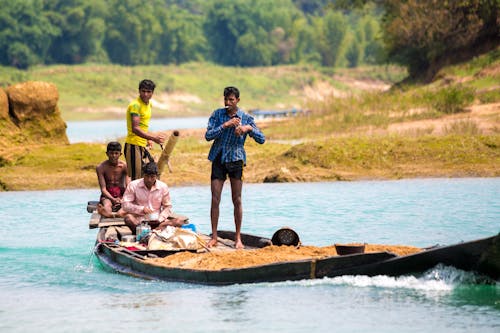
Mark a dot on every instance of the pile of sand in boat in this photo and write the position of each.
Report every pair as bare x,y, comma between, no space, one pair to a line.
218,260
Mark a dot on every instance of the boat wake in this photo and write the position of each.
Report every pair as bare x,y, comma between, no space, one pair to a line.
438,279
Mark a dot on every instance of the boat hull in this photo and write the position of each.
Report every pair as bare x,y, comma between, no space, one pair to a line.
132,264
481,255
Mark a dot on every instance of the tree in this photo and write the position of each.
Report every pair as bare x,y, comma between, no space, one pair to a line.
82,25
373,51
133,31
333,32
311,6
305,43
25,33
250,33
182,38
354,51
419,33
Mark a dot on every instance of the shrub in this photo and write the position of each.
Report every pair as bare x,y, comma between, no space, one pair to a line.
462,127
453,99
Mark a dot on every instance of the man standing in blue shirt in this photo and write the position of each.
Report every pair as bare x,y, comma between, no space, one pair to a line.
229,127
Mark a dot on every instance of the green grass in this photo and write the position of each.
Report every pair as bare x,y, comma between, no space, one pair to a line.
100,87
388,151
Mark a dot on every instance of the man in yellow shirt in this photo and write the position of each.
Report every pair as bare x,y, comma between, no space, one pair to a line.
138,138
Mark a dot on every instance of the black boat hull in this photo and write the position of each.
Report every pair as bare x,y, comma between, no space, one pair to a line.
482,256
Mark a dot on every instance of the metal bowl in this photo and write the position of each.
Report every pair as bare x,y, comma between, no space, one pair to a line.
343,250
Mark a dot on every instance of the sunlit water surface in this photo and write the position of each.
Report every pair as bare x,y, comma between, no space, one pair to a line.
51,282
109,130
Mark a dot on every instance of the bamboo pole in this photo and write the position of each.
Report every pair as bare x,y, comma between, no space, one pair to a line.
165,154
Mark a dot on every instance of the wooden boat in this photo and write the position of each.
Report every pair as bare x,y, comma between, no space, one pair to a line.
482,256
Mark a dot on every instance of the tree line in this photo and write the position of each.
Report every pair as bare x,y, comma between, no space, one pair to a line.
227,32
240,32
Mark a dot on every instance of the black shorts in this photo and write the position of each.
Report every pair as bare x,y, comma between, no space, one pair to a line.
222,170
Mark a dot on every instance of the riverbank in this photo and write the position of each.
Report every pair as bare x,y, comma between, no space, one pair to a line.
448,128
465,144
391,156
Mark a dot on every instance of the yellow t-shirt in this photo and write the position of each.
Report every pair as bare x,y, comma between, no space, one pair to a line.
139,108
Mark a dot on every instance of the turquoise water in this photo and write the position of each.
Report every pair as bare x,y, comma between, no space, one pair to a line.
51,282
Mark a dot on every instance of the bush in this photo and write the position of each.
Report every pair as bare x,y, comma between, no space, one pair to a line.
462,127
453,99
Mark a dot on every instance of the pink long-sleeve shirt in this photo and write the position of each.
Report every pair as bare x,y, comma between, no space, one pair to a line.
137,196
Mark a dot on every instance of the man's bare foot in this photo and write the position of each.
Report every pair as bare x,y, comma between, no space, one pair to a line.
238,244
212,242
101,210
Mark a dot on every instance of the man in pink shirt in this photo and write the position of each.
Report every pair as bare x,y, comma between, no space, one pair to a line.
148,199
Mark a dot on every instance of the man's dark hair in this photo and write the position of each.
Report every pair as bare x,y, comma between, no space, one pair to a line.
228,91
147,85
114,146
150,169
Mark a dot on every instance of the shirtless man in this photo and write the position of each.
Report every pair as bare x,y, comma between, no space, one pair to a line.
113,179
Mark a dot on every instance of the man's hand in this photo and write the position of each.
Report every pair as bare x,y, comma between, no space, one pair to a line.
178,222
160,138
240,130
147,210
116,201
174,222
233,122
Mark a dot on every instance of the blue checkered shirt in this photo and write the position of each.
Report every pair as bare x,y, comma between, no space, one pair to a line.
228,144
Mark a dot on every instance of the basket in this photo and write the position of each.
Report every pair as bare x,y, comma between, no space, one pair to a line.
343,250
285,236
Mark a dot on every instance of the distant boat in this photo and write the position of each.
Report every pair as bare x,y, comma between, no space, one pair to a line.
276,113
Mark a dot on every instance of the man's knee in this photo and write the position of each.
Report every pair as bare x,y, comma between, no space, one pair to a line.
237,200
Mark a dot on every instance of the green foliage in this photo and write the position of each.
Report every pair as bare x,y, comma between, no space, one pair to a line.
25,33
313,7
21,55
418,34
82,26
353,53
228,32
244,33
331,38
452,99
132,31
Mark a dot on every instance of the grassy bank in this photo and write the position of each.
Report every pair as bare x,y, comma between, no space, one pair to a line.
387,157
449,128
94,91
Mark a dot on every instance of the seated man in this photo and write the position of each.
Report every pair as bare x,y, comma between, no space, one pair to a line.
148,199
113,179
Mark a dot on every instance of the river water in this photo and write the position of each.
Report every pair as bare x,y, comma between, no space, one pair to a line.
108,130
51,282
